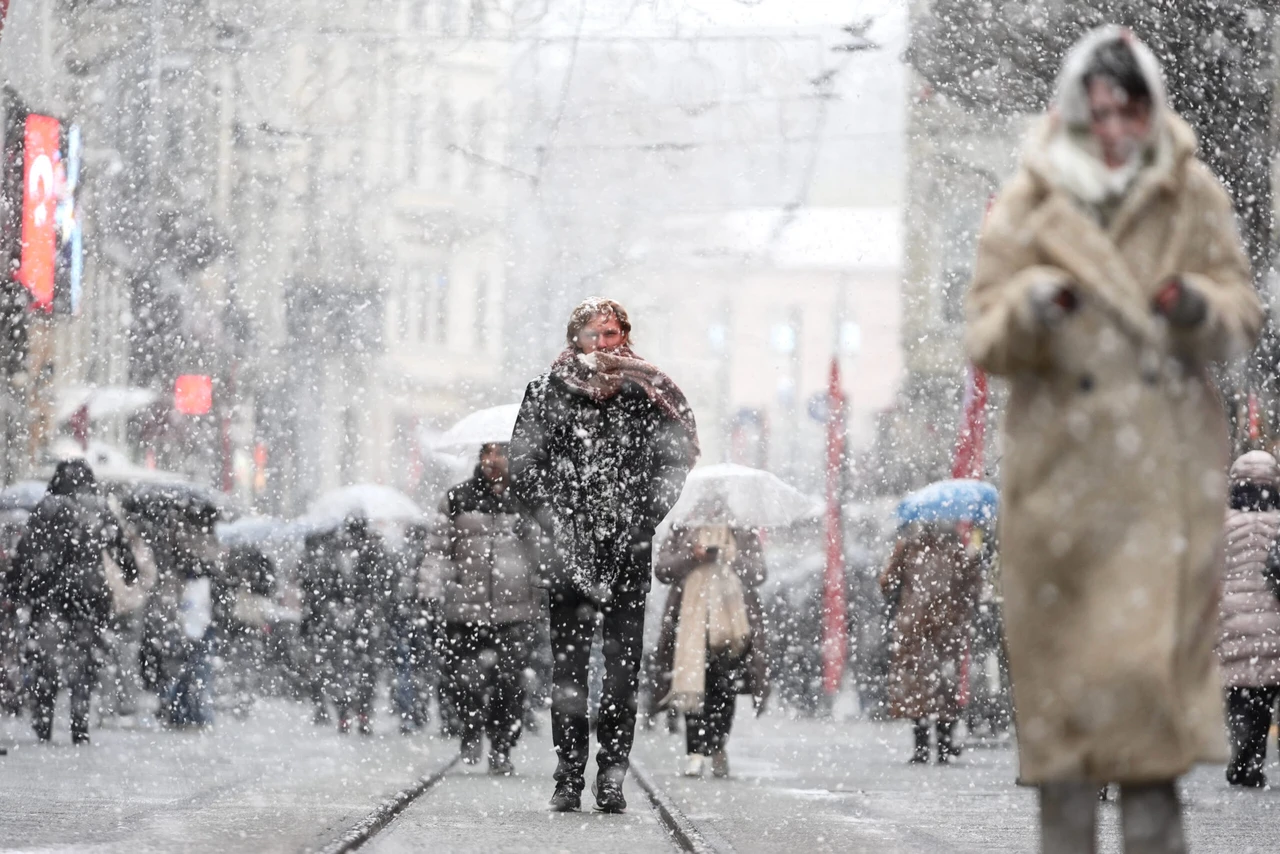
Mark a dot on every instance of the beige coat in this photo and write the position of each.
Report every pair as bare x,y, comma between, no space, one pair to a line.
1114,473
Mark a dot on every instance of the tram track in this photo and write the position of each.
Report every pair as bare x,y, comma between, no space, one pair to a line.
683,833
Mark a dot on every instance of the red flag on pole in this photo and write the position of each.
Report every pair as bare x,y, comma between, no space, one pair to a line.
969,460
1255,418
834,630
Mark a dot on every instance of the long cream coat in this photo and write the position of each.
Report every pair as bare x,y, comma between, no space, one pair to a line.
1114,473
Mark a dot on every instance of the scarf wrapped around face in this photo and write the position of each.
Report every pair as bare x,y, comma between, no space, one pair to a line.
713,619
598,535
601,375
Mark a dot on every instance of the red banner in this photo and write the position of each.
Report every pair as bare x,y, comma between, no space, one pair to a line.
835,641
40,163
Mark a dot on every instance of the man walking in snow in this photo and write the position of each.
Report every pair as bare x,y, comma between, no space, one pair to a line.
1109,277
600,452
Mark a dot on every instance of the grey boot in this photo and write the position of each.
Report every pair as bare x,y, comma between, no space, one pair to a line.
1068,818
1151,819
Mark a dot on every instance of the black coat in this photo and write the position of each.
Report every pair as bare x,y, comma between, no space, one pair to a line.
58,571
597,475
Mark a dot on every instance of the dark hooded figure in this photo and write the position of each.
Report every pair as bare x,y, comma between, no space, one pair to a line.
61,580
356,621
599,454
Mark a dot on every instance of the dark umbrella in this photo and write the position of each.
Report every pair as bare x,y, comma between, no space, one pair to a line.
155,499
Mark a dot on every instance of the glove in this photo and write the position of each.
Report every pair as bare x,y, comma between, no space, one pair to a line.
1050,303
1183,306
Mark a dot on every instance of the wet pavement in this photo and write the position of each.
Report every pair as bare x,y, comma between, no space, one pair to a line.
275,782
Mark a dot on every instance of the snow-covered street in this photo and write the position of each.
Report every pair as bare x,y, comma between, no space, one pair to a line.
276,783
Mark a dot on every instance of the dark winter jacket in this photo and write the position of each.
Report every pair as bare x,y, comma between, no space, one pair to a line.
484,556
673,564
58,571
598,477
350,580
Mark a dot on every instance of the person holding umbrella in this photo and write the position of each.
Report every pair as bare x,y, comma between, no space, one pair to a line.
1109,278
931,585
600,452
713,645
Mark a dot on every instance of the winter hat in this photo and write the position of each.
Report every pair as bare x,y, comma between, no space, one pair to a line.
1070,98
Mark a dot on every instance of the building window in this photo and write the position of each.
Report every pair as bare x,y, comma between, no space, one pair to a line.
412,124
476,174
445,142
482,308
442,308
477,25
404,302
425,307
449,17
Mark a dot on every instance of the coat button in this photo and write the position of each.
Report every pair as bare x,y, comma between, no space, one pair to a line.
1086,382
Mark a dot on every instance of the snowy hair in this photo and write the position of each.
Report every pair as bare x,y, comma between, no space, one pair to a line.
591,308
1093,56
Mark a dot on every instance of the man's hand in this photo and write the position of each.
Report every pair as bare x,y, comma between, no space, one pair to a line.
1051,302
1182,305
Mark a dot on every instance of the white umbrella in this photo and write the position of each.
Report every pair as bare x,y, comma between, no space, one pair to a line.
742,496
373,502
487,426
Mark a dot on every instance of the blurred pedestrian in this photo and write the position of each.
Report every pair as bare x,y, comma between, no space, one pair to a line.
932,584
412,633
600,452
188,695
357,622
486,560
713,645
62,582
1249,631
1109,277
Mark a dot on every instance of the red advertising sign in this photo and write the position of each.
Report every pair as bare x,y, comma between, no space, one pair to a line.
41,161
193,394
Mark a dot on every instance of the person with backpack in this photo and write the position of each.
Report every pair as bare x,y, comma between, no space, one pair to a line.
62,582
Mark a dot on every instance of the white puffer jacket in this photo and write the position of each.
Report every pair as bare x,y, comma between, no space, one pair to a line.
1249,634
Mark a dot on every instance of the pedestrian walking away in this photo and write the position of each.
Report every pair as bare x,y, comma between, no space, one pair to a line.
483,558
1249,631
62,580
932,584
600,452
1109,277
713,644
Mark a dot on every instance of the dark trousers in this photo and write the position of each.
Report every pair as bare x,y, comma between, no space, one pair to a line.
486,666
573,622
706,732
1249,712
62,654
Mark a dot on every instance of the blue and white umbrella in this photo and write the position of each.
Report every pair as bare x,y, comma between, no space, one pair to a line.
950,501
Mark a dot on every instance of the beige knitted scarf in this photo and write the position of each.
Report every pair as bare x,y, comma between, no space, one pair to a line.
713,618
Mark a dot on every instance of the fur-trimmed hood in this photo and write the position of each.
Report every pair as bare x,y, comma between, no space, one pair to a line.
1060,149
